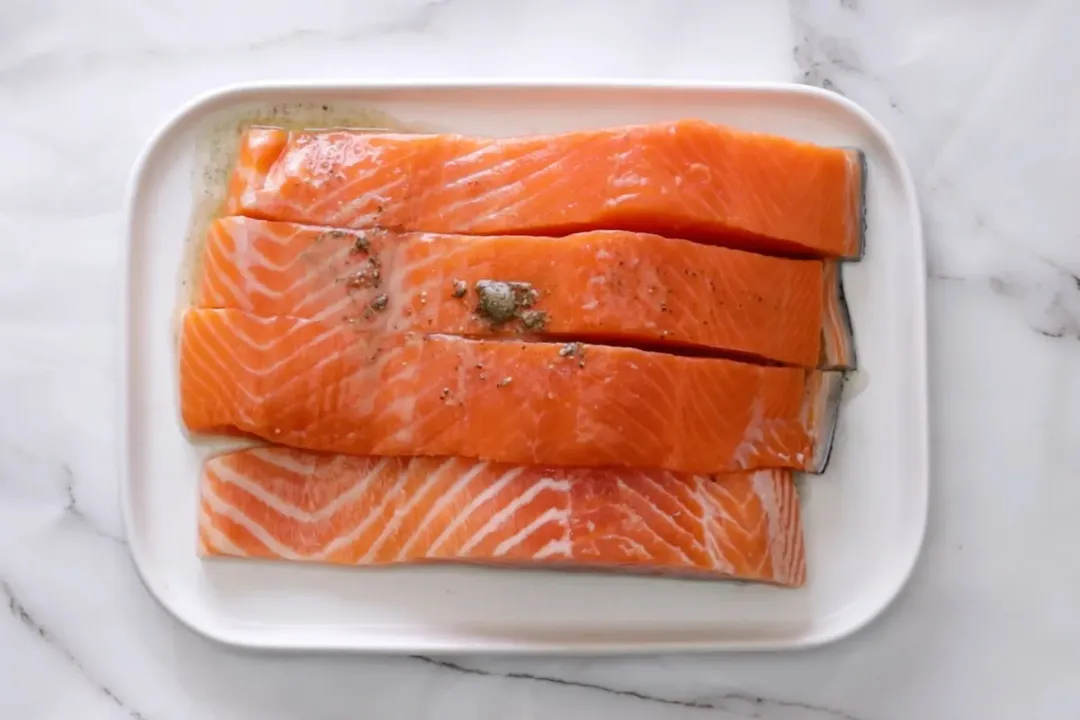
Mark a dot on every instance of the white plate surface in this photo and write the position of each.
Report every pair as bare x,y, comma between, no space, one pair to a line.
865,517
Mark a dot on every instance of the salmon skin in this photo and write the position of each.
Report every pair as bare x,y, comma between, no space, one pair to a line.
328,386
611,287
285,504
687,178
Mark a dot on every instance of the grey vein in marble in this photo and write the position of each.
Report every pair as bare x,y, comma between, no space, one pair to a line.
71,507
739,704
819,56
827,58
20,613
1056,303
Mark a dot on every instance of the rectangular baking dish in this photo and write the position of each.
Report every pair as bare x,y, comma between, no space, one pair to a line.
865,517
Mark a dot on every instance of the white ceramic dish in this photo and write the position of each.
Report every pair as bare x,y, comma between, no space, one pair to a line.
865,517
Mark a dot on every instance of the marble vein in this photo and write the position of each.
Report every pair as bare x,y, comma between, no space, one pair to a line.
737,703
821,57
827,53
20,613
1051,306
71,507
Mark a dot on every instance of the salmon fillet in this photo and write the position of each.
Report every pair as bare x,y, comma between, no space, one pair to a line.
604,286
287,504
332,387
687,179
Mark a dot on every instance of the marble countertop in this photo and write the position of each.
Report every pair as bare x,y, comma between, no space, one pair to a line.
981,95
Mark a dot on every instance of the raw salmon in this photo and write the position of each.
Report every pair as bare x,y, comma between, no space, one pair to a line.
333,387
687,179
605,286
291,505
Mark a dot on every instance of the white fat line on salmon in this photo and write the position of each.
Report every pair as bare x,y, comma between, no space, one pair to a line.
669,478
556,166
329,333
640,524
764,484
510,189
394,275
618,199
311,273
561,516
445,499
389,494
335,310
791,553
543,155
220,278
741,504
284,459
797,573
446,286
565,175
289,211
326,358
628,179
796,554
783,484
489,492
265,230
396,270
330,270
492,148
562,547
228,475
587,428
250,196
346,213
717,522
716,555
386,356
280,240
233,513
493,170
377,196
630,547
210,290
753,435
346,155
403,408
221,364
432,291
221,542
205,372
274,178
326,159
430,482
518,503
242,254
663,516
